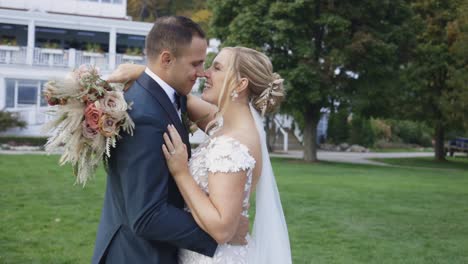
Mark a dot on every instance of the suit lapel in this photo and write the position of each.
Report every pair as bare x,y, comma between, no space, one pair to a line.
160,95
183,110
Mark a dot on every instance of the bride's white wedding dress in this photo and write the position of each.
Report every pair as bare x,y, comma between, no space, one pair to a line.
269,243
220,154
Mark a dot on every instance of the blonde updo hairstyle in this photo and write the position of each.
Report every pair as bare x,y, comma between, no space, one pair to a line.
265,87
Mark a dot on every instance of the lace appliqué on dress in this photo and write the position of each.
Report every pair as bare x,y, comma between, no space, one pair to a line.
220,154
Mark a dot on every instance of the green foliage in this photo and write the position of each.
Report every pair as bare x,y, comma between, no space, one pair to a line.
149,11
23,141
134,51
10,120
382,131
411,132
434,84
338,128
93,47
309,40
361,132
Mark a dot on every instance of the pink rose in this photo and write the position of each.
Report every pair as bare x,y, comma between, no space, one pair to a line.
113,102
92,116
108,126
88,132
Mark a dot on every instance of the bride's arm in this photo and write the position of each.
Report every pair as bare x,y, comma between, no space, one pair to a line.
217,214
126,73
199,111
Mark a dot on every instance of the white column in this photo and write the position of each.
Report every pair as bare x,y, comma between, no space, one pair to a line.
31,42
2,92
112,47
71,58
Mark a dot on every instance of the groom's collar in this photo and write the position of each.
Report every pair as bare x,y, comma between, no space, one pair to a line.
171,92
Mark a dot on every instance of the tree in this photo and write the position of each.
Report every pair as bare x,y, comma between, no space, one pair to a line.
455,104
320,47
435,78
150,10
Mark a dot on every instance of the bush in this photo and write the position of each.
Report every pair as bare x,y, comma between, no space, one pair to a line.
10,120
411,132
361,132
382,130
23,141
338,128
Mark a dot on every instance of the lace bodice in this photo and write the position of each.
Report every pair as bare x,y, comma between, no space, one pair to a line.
220,154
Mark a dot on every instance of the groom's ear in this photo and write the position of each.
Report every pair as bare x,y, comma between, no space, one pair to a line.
166,58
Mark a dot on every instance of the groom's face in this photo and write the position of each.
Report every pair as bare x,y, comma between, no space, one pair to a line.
188,66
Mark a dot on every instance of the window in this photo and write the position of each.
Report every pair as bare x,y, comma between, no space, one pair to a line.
24,93
27,93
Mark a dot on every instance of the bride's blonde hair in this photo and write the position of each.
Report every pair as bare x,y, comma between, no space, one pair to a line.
265,87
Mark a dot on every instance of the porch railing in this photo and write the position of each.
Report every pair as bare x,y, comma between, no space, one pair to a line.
64,58
50,57
12,55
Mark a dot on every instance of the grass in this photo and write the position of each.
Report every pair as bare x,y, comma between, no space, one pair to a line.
458,162
336,213
390,150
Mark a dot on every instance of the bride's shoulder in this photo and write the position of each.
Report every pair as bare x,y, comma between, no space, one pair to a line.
226,153
236,139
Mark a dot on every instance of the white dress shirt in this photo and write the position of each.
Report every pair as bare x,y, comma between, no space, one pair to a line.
171,92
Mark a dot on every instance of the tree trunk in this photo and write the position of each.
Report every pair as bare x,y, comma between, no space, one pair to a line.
311,119
439,142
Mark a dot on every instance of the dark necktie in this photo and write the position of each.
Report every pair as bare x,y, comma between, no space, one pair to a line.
177,101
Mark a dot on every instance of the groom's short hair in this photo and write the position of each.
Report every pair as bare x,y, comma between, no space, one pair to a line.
171,33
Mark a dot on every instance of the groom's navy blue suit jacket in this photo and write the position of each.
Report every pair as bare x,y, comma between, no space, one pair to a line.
143,220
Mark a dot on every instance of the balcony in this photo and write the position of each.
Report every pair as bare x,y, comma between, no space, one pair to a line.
58,58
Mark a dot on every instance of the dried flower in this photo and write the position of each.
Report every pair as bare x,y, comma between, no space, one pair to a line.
90,113
88,132
108,126
92,116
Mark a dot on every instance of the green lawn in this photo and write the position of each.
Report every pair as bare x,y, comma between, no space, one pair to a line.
389,150
457,163
336,213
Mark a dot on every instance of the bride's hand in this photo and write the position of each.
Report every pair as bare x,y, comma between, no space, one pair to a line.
126,73
175,152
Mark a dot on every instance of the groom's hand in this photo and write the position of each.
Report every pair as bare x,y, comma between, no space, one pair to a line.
241,232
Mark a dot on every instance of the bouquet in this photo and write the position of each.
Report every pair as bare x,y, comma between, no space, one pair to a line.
89,115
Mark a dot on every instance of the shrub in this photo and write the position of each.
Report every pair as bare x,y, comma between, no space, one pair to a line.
10,120
338,128
361,132
411,132
382,130
23,141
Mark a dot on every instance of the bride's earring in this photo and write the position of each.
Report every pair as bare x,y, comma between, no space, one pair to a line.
234,95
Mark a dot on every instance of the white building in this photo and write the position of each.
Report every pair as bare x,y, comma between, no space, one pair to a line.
44,39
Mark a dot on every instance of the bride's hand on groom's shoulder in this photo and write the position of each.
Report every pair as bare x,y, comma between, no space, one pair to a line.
175,152
126,73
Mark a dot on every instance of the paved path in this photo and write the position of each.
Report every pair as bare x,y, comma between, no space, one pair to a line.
346,157
353,157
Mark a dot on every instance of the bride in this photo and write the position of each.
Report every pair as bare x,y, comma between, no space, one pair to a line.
217,181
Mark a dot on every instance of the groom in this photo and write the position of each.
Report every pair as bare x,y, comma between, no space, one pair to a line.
143,220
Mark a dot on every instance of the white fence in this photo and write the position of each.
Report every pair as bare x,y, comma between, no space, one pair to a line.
70,58
12,55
